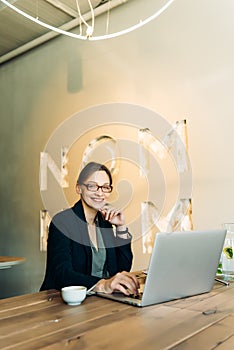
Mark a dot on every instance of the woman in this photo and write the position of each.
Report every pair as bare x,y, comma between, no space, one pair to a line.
83,248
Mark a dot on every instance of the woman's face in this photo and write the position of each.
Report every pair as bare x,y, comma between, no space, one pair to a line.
96,199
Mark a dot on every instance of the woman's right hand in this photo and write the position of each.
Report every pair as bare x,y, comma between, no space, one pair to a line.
125,282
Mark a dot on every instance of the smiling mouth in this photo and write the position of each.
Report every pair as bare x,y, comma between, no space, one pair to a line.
98,199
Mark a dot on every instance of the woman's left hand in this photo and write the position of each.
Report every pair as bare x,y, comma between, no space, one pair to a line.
125,282
113,215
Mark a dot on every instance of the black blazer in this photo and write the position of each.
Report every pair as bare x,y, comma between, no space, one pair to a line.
69,255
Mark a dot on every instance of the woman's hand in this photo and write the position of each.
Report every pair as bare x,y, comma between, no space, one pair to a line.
125,282
113,215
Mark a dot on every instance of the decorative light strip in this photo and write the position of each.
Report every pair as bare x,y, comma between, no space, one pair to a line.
93,38
136,26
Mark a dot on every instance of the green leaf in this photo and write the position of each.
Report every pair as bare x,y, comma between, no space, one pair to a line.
228,252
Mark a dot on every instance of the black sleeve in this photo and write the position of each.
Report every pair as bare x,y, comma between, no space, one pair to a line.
124,253
119,254
60,270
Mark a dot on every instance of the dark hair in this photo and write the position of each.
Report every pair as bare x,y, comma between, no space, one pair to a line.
91,168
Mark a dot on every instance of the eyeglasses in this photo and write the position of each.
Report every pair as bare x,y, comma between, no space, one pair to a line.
94,188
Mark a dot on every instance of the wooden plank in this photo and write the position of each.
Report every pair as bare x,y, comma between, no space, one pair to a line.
7,262
22,301
17,309
215,297
178,327
220,335
159,324
43,320
36,325
13,259
156,328
220,302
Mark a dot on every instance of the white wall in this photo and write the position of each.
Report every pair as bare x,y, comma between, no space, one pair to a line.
180,65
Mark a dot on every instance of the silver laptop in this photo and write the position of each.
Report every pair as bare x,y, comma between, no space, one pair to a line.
182,264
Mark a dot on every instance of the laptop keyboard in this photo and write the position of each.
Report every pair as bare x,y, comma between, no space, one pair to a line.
136,296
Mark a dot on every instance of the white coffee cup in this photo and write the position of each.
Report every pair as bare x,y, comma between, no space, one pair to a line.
74,295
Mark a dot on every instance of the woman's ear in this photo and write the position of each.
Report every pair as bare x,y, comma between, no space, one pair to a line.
78,189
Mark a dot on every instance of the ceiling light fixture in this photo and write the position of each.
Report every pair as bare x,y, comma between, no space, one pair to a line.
89,29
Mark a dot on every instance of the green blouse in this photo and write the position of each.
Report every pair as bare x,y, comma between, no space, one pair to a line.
99,257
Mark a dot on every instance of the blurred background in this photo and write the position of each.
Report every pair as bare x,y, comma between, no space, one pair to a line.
180,66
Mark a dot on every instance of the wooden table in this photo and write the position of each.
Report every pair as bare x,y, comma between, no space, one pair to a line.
8,261
43,321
